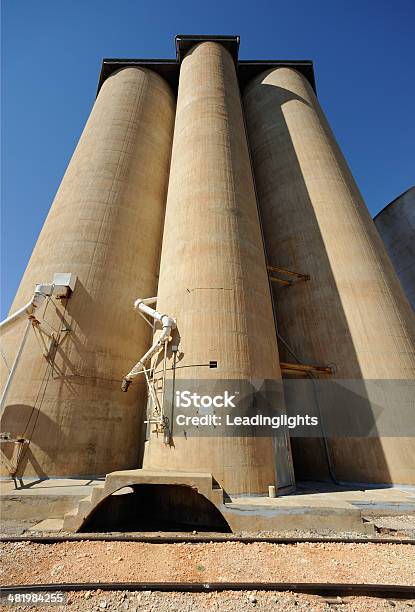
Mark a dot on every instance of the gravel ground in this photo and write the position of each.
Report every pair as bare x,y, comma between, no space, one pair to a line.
13,527
24,562
227,601
400,525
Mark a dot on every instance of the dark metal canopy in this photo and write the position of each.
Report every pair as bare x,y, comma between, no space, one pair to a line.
169,69
184,42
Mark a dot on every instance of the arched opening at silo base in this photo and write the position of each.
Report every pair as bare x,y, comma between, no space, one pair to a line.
155,507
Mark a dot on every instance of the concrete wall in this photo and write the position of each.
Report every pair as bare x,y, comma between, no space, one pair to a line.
396,226
105,226
352,313
213,276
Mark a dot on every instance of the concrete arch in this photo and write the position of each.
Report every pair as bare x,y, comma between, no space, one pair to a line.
154,507
199,486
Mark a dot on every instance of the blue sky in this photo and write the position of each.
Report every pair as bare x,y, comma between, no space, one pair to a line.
363,53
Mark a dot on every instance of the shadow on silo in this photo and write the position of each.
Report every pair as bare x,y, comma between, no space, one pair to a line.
305,307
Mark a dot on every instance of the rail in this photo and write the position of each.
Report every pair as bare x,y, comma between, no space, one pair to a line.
398,591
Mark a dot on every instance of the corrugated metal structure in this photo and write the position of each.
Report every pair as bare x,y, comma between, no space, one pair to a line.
244,187
396,226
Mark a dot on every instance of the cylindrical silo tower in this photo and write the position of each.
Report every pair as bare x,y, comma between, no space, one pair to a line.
396,226
352,312
213,276
105,227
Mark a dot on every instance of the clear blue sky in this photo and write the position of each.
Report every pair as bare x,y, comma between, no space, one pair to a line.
363,52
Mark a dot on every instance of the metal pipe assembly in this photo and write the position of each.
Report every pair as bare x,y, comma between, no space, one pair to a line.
13,369
168,323
62,286
27,309
37,299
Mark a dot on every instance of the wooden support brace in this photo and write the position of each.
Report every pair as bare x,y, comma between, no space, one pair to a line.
300,367
280,281
298,275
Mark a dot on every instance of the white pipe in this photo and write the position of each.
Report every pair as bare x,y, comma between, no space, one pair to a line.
141,305
41,292
145,301
168,324
14,367
26,309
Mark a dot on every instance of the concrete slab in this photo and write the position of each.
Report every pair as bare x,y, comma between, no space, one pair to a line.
271,518
47,525
312,506
257,513
296,512
31,499
50,486
371,500
291,502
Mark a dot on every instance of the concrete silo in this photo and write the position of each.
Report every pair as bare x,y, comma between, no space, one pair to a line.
352,312
105,227
396,226
213,276
241,192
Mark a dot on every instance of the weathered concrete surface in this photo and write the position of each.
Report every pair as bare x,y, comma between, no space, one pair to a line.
242,513
315,506
203,483
47,525
396,226
352,313
254,515
105,226
385,501
213,276
41,500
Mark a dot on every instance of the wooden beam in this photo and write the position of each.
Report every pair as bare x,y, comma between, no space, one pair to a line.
300,367
299,275
274,279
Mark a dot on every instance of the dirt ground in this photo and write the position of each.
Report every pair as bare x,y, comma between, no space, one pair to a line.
226,601
26,563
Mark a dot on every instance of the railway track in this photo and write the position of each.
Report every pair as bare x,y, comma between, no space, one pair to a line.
196,539
322,589
387,591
